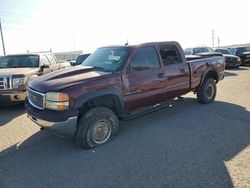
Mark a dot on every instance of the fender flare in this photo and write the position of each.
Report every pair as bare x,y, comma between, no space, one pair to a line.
110,91
205,72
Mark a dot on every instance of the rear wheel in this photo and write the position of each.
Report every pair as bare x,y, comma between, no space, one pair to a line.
96,127
207,91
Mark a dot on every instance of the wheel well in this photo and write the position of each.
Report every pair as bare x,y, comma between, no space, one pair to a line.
109,101
212,74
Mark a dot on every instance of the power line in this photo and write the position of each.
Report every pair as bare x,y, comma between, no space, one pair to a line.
213,38
16,14
4,53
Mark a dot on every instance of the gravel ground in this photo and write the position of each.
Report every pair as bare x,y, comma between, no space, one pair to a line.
184,145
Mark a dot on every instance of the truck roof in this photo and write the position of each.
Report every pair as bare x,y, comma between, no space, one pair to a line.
38,53
142,44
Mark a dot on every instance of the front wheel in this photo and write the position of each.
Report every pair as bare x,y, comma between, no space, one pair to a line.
96,127
207,91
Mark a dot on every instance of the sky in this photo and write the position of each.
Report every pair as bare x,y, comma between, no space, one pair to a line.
60,25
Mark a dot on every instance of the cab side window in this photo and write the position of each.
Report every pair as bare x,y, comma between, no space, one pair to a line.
145,58
170,55
52,60
44,60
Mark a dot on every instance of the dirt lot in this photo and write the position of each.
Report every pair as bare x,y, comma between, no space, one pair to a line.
184,145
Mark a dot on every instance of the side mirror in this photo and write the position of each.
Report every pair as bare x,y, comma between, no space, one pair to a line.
44,67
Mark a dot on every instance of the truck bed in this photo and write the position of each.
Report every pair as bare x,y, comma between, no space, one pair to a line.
198,67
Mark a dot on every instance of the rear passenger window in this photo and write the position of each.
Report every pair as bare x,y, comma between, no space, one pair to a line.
52,60
44,60
145,58
170,55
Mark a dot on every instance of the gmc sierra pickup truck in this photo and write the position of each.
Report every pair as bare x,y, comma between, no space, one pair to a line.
85,102
244,53
230,59
17,70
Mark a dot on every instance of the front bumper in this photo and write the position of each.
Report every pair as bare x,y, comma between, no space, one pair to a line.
235,64
12,96
63,123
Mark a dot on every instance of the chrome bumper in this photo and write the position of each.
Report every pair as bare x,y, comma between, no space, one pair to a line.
15,96
66,128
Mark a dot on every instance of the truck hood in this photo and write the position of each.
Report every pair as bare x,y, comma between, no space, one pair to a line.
246,53
17,71
230,55
209,54
65,78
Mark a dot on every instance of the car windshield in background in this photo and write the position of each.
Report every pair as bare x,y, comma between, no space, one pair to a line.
223,51
202,50
81,58
19,61
107,59
243,49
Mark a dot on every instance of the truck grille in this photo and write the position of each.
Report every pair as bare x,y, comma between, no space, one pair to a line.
36,99
5,82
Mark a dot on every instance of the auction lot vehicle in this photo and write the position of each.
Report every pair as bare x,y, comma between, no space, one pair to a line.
85,102
80,59
203,51
244,53
231,60
17,70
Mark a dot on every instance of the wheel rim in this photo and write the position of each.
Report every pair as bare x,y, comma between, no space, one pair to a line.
101,131
210,91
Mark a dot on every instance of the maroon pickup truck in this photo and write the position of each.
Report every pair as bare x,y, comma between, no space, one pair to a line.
85,102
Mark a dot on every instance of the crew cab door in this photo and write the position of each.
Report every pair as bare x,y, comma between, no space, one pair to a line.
143,78
176,71
53,63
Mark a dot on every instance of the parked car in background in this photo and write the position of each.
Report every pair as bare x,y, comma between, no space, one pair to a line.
231,60
64,64
80,59
86,101
17,70
1,57
244,53
201,51
232,50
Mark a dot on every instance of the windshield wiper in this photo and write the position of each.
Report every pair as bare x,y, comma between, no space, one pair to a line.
100,69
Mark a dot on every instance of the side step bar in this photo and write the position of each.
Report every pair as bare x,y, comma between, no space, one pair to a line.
149,109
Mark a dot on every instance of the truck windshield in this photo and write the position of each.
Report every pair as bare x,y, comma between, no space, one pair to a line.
223,51
243,49
107,59
19,61
202,50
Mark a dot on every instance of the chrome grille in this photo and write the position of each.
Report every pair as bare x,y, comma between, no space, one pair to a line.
36,99
5,82
1,84
231,60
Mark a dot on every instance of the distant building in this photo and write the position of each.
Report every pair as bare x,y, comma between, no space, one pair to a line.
67,55
235,45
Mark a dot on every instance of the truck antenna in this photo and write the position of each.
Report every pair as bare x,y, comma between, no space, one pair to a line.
126,43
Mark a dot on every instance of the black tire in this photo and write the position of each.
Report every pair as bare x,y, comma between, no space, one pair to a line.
96,119
207,91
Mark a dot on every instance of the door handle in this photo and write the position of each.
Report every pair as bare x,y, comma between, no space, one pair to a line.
161,75
182,70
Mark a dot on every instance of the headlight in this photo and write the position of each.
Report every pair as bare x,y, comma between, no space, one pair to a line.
16,82
57,101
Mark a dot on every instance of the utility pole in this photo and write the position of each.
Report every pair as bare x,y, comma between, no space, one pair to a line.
74,43
218,41
1,30
213,38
